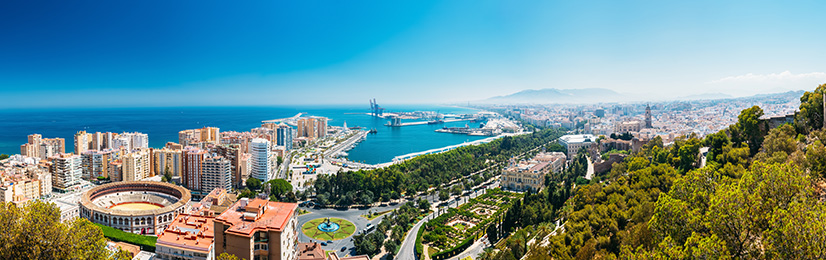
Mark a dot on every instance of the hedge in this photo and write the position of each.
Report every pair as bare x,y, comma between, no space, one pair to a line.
147,243
419,247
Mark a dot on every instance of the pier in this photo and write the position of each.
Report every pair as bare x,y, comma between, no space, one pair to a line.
289,120
426,122
346,145
401,158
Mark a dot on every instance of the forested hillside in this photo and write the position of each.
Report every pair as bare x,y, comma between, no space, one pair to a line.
422,172
759,197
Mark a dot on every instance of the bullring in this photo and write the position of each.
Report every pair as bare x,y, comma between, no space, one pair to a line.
141,207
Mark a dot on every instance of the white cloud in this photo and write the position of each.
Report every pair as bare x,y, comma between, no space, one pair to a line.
786,76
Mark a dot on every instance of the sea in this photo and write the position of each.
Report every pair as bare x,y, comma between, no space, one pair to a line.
163,123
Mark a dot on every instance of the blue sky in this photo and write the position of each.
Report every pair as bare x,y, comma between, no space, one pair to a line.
184,53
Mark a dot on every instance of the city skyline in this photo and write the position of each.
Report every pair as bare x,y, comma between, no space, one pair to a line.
188,54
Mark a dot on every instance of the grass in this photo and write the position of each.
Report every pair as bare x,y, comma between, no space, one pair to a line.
460,226
146,243
375,215
303,211
346,229
431,251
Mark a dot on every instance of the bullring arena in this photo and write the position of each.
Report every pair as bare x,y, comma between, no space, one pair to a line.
140,207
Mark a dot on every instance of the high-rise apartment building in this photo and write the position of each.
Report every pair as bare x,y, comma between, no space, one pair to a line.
258,229
199,137
168,160
261,159
233,153
193,159
136,165
312,127
216,173
83,141
122,142
42,148
284,136
66,170
32,147
96,163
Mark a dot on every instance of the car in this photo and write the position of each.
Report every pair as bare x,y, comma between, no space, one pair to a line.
324,243
343,249
369,224
329,241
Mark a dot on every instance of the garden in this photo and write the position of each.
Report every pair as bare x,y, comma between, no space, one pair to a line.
454,231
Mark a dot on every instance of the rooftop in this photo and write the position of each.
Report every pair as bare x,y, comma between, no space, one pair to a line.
189,232
578,138
245,216
310,251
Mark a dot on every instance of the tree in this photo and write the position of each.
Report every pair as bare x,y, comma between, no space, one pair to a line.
279,188
75,239
4,156
225,256
810,116
443,195
279,160
254,184
748,125
167,174
424,204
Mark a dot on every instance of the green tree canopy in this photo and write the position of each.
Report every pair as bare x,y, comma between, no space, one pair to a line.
810,116
34,231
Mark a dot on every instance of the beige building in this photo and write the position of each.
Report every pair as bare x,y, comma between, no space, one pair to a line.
312,127
199,137
168,159
258,229
83,141
43,148
525,175
136,165
629,126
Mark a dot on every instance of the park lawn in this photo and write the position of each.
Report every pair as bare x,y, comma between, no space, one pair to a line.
346,229
145,242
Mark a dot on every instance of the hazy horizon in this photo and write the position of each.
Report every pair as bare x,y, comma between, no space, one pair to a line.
168,54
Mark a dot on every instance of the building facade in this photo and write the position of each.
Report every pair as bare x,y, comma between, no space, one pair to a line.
136,165
193,167
217,173
258,229
66,170
573,143
188,237
261,159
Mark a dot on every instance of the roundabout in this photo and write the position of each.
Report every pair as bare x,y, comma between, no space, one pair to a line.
325,229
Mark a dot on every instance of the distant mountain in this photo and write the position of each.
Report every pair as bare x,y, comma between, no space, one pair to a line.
705,96
552,95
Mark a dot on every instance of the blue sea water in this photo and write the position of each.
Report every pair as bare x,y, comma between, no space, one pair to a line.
162,125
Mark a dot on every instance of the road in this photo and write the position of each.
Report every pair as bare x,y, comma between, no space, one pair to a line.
590,173
352,215
408,246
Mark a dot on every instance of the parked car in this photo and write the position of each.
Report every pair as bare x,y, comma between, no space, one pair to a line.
343,249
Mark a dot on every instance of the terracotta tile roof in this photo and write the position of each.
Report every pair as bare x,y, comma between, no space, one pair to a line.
189,232
258,214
